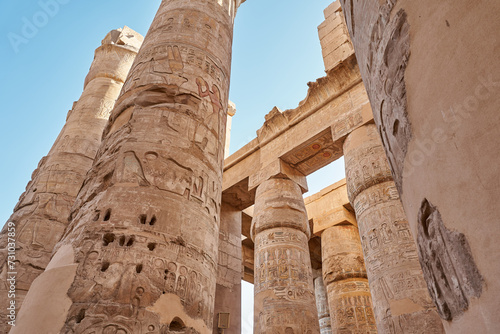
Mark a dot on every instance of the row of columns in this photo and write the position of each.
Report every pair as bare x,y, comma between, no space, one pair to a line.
140,254
41,215
388,295
152,202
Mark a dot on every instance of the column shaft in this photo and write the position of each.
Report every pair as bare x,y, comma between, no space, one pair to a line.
228,291
140,254
284,290
345,278
400,297
437,115
42,212
325,326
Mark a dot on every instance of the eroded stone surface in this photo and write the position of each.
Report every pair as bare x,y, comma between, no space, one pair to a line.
401,301
42,212
346,281
145,225
325,325
383,63
449,268
228,291
284,290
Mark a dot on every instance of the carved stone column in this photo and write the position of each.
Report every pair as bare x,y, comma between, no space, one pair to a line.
231,111
42,212
284,290
401,301
345,278
140,254
322,305
439,127
228,291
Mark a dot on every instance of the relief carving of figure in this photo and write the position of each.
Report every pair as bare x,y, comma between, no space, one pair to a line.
447,262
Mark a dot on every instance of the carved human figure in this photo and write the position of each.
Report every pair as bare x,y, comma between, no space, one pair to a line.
156,184
399,307
43,210
280,229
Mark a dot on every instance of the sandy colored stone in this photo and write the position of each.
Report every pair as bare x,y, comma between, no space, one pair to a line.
346,281
145,225
228,290
284,291
42,212
325,325
436,105
400,297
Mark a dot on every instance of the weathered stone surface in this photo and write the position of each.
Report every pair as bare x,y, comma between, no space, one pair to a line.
385,64
449,268
228,291
43,210
400,298
336,44
325,325
346,281
451,101
231,111
284,290
145,225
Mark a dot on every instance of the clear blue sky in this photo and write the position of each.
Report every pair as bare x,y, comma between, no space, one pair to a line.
276,52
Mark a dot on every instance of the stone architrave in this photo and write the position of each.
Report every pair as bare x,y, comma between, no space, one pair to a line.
41,215
140,253
322,305
346,281
400,297
284,290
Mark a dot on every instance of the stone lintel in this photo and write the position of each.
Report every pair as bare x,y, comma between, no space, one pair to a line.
278,169
338,216
312,138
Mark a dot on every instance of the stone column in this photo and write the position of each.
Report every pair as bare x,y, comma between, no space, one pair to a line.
231,111
41,215
140,254
284,290
439,127
325,326
346,282
401,301
228,291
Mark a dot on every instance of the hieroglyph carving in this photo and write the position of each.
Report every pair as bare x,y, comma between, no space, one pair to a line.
449,268
383,63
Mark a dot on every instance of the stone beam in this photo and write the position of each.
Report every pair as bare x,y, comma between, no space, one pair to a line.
330,207
306,138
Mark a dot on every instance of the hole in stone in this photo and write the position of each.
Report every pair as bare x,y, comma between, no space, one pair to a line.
108,238
142,219
152,221
105,266
96,218
80,316
130,242
108,215
151,246
138,268
34,190
122,240
177,325
395,128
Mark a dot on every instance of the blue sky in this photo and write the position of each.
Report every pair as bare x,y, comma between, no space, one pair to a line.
276,52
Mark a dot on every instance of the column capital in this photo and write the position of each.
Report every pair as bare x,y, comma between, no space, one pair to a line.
278,169
114,57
